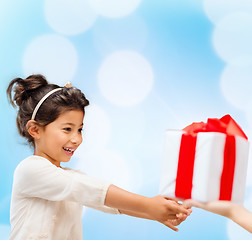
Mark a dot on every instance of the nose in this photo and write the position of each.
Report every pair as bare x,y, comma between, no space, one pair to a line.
76,139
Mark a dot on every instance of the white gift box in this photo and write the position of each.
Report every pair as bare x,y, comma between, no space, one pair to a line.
207,168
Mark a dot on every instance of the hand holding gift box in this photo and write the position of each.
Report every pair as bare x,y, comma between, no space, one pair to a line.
206,162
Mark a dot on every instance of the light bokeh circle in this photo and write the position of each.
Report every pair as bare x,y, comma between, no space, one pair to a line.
106,165
130,33
131,124
125,78
114,8
236,86
217,9
232,38
53,56
69,17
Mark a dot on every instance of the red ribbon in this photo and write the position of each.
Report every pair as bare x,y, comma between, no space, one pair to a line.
185,167
184,178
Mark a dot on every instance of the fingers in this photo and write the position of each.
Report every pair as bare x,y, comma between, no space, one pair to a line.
170,225
169,198
192,203
177,216
177,208
182,212
171,217
168,209
181,217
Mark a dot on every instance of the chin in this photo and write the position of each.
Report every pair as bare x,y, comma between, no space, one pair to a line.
66,160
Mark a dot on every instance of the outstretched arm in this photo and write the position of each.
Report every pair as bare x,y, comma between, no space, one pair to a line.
235,212
171,223
156,208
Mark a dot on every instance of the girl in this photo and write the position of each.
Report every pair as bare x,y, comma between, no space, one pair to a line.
47,199
235,212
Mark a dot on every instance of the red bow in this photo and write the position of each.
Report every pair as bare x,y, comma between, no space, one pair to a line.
225,125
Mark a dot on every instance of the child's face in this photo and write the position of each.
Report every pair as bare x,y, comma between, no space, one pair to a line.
59,139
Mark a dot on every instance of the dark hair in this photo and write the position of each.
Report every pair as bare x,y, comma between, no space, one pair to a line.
28,92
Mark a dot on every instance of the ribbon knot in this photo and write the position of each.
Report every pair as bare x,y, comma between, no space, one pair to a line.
225,125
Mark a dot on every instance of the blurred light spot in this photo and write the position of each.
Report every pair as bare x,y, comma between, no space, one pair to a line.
131,124
130,33
125,78
53,56
217,9
232,39
5,231
236,86
96,131
105,165
114,8
69,17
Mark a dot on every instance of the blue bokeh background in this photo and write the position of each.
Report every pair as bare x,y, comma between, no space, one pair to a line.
189,49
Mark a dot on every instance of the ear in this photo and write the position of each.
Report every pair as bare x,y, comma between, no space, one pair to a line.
33,129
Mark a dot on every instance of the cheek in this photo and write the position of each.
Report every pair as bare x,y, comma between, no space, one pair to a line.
81,139
59,139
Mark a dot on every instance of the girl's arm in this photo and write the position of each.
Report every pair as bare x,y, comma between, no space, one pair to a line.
233,211
156,208
171,223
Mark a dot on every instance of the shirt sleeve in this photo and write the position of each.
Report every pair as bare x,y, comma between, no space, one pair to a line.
38,177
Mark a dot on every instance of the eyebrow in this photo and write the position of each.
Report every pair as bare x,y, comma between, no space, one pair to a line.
71,124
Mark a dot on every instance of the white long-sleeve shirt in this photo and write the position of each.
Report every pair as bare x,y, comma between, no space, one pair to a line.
47,201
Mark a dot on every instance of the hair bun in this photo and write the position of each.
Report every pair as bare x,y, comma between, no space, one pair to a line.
24,88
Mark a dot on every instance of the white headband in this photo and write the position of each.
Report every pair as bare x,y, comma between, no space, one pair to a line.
68,85
42,100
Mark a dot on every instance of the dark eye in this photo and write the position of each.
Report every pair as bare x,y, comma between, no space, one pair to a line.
80,130
67,129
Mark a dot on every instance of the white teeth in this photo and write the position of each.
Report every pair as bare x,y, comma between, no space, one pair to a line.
68,149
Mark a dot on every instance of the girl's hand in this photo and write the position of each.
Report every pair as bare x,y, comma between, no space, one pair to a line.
167,211
161,209
171,223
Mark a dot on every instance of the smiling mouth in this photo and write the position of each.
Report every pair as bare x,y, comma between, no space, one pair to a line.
68,150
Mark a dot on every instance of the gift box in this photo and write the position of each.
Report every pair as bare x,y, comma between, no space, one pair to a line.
205,162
